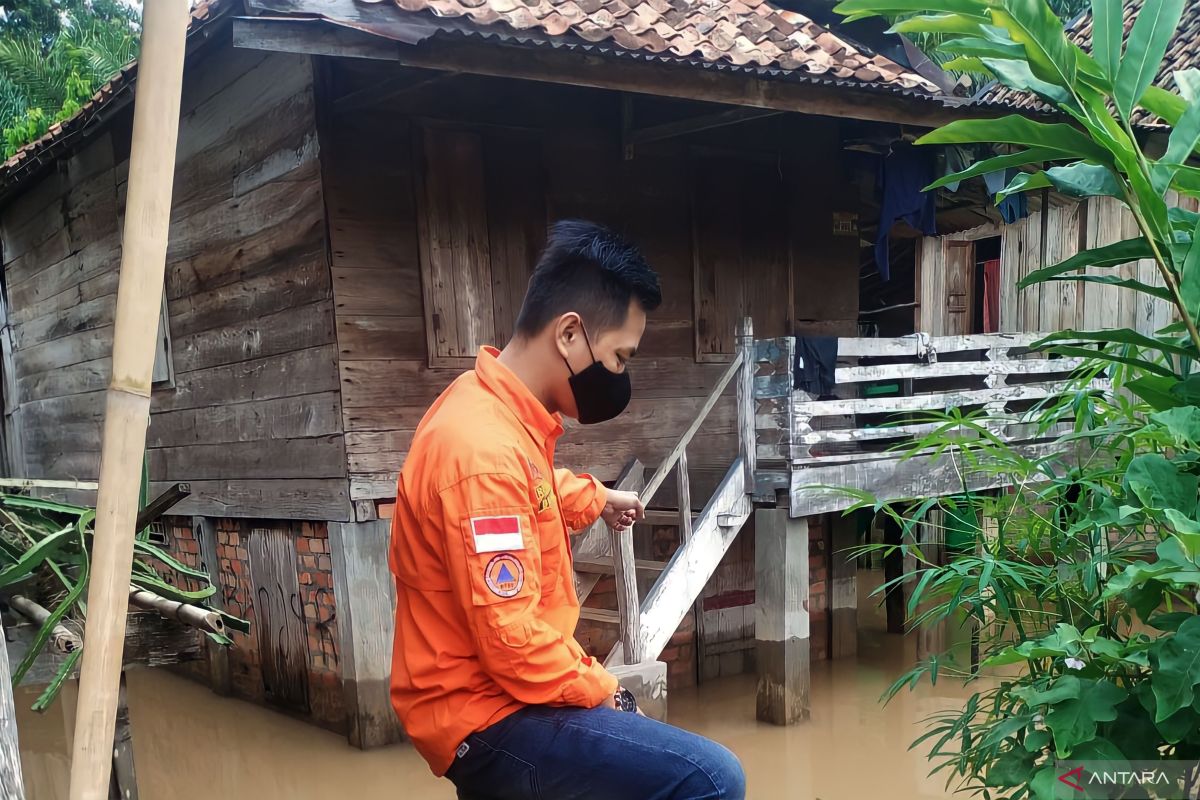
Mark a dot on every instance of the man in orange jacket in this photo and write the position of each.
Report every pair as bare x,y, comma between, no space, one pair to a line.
487,677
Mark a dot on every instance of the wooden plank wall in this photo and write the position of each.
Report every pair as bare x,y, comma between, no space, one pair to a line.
549,153
253,420
1067,226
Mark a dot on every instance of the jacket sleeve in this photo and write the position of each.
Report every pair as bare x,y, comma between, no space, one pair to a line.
494,562
581,497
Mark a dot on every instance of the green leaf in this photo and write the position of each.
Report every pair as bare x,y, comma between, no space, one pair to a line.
171,592
1024,182
1013,767
1148,41
56,616
1044,785
1112,255
1108,31
33,558
1176,669
18,501
982,48
877,8
1167,106
1017,75
1063,690
1189,280
938,23
1156,391
1160,292
1032,155
52,689
154,551
1184,137
1074,721
1182,423
1188,81
1019,130
1133,730
1033,24
1084,180
1118,336
1159,484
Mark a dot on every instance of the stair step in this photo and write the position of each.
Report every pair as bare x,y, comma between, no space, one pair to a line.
600,615
604,566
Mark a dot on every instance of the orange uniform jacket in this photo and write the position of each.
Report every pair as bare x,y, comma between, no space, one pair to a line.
485,595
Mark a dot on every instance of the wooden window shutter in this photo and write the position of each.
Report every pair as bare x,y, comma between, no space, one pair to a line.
456,272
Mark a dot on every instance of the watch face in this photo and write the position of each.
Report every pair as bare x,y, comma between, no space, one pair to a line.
627,700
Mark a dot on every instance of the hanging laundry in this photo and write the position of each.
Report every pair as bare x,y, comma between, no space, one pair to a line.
1013,207
957,159
816,363
904,173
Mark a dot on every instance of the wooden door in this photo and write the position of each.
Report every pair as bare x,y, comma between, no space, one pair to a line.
279,618
959,285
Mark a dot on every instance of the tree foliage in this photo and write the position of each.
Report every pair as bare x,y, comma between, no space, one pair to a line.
54,54
1085,595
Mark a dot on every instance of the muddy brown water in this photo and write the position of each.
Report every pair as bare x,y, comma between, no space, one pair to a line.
190,744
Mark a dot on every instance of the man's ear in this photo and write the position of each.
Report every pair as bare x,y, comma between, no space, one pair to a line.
567,328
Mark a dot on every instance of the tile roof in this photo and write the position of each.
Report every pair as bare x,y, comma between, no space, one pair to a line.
1182,53
37,151
739,32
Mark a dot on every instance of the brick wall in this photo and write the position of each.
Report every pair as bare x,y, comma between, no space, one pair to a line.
315,604
819,533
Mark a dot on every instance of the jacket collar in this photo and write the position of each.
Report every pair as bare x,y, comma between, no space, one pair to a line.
500,381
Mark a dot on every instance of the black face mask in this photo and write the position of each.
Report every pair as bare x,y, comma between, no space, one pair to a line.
600,394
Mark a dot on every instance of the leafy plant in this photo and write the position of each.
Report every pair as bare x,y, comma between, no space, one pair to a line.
44,555
1084,598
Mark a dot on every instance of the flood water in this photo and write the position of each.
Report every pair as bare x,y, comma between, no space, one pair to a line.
190,744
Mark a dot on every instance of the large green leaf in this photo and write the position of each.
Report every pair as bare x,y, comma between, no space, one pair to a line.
1084,180
1074,721
1032,155
1152,32
1166,105
1033,24
53,688
981,47
1108,31
1112,255
36,503
1176,662
47,547
1014,767
1118,336
1024,182
1062,690
56,616
938,23
1158,483
1017,75
1189,278
1188,82
1019,130
1183,424
891,8
1115,280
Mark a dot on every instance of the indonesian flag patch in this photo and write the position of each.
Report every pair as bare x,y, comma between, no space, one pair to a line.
494,534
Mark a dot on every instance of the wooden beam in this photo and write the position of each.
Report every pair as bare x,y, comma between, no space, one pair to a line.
843,583
603,615
703,122
391,90
219,675
747,437
365,594
12,784
604,566
781,620
161,505
683,81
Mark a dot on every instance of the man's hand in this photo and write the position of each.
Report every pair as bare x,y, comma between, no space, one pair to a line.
622,509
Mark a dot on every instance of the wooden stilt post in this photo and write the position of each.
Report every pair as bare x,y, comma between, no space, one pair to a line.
12,784
781,624
123,785
127,404
843,581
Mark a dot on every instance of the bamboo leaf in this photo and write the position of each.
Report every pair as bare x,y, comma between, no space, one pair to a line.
162,555
1106,257
1108,31
1152,32
18,501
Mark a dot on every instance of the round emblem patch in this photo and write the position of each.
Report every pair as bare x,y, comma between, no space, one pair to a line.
504,575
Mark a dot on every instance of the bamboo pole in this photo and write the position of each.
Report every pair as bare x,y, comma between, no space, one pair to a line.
62,638
127,402
194,616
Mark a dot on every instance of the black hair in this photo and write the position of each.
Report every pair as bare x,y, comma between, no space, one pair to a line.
589,269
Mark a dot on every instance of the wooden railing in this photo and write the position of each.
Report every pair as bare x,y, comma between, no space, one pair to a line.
646,627
856,441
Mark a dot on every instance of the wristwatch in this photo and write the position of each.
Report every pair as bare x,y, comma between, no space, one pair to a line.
625,700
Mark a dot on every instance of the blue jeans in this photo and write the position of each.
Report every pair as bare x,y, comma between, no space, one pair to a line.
552,753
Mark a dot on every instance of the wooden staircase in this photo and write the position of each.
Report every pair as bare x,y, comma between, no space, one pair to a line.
647,626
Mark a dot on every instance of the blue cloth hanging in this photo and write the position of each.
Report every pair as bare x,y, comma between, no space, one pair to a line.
1013,207
904,173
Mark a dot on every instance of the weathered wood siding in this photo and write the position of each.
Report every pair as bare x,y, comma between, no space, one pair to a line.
534,154
946,262
253,419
